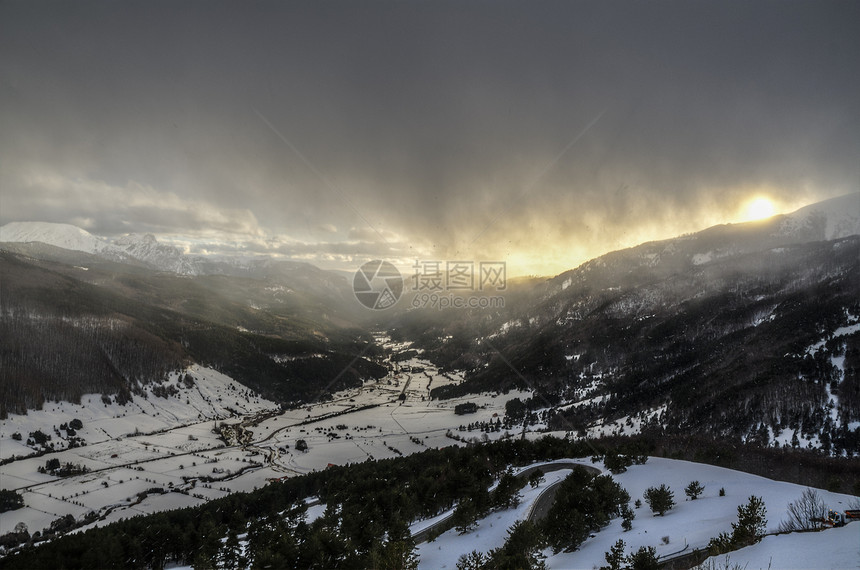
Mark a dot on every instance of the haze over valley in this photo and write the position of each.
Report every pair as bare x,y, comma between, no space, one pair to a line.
429,285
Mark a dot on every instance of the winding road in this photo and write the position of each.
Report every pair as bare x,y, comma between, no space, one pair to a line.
538,509
541,506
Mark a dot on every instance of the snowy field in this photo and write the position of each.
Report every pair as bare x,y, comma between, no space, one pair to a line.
169,444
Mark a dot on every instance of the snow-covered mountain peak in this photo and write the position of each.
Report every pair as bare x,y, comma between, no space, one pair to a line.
65,236
827,220
146,248
141,247
134,239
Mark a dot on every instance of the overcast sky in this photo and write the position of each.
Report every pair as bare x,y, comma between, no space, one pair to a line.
540,133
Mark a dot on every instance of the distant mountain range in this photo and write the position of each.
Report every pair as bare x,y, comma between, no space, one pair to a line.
750,331
827,220
140,249
126,249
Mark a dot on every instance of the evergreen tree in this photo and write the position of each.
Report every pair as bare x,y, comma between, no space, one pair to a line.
11,500
522,549
506,494
230,555
644,559
475,560
751,522
465,515
693,490
628,515
207,553
582,504
615,557
660,499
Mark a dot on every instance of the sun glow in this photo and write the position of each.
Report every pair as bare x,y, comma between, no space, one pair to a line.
759,208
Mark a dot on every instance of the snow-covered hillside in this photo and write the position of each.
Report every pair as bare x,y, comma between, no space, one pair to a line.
65,236
144,248
200,394
834,549
689,525
831,219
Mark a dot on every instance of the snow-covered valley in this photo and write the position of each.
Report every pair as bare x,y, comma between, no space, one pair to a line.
170,444
160,453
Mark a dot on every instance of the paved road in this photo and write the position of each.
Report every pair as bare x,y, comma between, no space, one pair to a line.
546,497
544,502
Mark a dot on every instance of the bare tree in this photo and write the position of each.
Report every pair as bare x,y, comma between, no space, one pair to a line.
806,513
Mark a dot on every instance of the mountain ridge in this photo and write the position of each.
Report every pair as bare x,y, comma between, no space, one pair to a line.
821,221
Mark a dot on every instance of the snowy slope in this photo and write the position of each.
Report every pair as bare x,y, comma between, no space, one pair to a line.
831,219
828,220
65,236
690,524
140,247
211,395
165,257
833,549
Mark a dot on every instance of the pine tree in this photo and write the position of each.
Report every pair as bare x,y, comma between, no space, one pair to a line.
628,515
751,522
693,490
660,499
644,559
475,560
615,557
521,549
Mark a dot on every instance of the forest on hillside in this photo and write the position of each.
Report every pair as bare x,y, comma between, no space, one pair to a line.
61,337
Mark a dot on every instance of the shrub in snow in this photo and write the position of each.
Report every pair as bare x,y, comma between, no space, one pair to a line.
806,513
473,561
536,478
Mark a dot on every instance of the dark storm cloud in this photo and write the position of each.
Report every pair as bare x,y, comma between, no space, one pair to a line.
439,124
